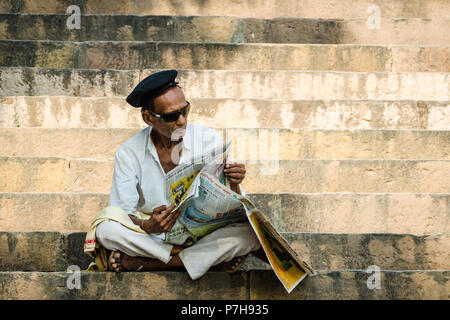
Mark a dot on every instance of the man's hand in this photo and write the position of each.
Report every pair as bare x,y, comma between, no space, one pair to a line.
162,220
235,172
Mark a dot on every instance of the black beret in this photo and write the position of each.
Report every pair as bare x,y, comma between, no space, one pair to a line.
151,87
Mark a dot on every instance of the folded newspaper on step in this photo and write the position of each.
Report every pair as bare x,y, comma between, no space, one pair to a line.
201,191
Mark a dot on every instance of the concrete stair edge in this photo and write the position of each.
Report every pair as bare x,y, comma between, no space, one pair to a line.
56,251
114,112
291,144
266,9
223,56
320,84
413,213
337,175
218,285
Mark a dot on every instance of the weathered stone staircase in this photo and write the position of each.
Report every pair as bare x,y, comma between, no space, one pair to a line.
363,118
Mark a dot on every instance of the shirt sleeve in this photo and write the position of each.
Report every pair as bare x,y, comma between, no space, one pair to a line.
124,193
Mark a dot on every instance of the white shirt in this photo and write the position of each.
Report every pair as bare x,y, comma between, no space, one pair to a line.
139,179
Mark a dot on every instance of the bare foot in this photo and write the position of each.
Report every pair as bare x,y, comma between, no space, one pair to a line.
120,262
115,261
233,265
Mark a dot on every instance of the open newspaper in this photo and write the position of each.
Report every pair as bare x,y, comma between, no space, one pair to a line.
201,191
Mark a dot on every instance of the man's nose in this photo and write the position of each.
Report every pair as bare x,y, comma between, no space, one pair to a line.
181,121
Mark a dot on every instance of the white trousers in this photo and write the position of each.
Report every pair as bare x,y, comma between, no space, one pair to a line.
220,245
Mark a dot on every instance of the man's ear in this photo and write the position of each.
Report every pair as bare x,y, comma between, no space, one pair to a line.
147,117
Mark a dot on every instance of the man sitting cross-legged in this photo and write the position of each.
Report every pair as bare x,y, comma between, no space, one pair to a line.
140,167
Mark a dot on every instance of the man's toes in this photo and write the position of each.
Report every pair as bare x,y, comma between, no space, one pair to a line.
116,258
116,267
116,261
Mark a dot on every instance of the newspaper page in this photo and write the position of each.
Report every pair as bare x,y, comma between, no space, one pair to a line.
180,179
201,191
289,267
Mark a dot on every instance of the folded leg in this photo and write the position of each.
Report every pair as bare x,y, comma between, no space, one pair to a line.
221,245
114,236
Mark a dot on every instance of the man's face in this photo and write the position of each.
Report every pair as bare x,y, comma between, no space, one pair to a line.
171,100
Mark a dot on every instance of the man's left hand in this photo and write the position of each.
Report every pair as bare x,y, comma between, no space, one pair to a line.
235,172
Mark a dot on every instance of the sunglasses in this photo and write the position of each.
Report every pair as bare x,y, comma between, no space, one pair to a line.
174,115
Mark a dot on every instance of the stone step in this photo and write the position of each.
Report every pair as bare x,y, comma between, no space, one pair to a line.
128,285
352,284
174,29
250,143
54,251
55,174
115,112
222,84
126,55
224,29
321,9
412,213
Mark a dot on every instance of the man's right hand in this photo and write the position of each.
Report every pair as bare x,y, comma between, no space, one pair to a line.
162,220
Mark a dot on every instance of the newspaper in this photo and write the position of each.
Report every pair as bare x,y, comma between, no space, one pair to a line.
201,191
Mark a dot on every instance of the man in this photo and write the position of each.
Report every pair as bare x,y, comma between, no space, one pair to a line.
141,164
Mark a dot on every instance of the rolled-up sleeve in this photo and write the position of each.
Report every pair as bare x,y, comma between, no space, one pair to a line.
124,193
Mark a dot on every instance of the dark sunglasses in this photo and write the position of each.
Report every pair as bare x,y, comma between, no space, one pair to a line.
174,115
